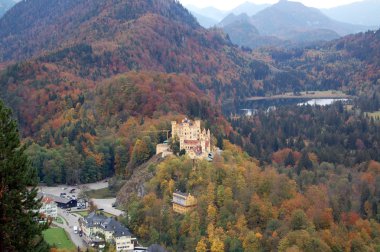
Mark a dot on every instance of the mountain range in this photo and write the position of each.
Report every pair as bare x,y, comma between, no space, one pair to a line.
210,16
75,48
284,23
72,49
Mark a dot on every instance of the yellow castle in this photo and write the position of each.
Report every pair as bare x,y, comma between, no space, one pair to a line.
196,142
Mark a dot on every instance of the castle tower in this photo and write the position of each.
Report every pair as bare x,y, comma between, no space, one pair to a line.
192,138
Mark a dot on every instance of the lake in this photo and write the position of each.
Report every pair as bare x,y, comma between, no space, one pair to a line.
320,102
253,106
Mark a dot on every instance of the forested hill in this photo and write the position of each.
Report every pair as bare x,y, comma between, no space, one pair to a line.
102,69
40,25
118,78
105,40
350,64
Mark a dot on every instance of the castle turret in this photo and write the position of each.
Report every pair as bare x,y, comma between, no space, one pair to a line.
174,128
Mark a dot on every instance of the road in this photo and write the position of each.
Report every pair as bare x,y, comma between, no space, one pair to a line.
72,221
57,190
72,218
106,204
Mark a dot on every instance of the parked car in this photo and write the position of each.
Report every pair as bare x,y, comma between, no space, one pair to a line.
72,190
62,195
75,229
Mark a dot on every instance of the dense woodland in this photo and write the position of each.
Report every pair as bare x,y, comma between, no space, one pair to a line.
111,131
340,133
243,206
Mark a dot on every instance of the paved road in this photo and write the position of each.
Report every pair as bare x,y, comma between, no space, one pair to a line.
72,221
57,190
106,204
71,217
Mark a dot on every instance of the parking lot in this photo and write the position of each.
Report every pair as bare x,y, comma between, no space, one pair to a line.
105,204
69,215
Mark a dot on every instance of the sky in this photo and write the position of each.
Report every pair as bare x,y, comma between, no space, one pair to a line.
230,4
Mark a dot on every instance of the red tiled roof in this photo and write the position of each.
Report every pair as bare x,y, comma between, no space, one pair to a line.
47,200
192,142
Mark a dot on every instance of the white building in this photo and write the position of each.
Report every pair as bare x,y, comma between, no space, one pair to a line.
49,208
113,231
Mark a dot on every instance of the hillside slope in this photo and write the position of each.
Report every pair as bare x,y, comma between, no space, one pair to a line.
288,16
36,26
116,78
364,12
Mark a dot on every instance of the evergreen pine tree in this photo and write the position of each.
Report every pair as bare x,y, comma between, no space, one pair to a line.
289,161
19,230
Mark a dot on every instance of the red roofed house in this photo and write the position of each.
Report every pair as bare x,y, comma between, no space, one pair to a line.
49,207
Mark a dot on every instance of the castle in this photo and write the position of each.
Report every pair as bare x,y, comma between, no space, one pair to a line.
196,142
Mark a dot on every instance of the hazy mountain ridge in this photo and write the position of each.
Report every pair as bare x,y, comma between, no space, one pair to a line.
362,13
289,21
249,8
211,16
5,5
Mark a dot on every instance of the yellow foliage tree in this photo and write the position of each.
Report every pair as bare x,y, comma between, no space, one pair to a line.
202,245
217,245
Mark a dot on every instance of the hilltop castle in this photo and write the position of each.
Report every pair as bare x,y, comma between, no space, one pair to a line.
196,142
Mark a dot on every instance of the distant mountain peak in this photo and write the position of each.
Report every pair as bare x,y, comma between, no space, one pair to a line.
249,8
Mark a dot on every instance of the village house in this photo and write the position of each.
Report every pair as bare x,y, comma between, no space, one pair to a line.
61,202
112,230
183,202
49,208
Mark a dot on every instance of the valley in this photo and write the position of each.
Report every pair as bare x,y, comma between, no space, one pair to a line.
199,132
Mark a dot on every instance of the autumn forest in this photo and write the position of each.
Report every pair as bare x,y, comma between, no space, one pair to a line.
94,85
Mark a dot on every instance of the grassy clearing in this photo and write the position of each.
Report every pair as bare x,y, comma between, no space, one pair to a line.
103,193
58,238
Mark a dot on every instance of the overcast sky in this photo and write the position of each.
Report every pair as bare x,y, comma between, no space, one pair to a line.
230,4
